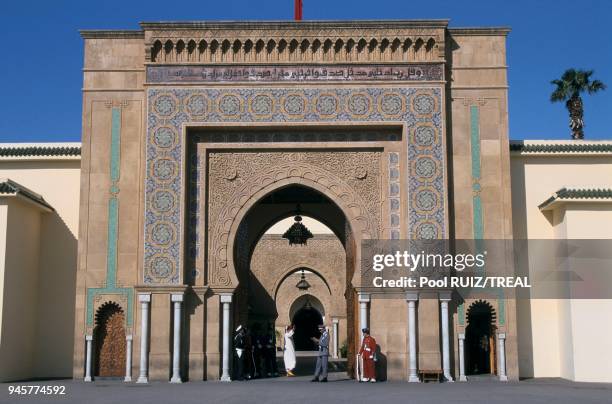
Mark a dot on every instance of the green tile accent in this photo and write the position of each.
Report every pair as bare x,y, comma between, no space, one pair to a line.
461,314
115,144
501,307
475,151
111,251
477,223
113,229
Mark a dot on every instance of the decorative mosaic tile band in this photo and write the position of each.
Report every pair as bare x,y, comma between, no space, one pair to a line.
170,108
394,196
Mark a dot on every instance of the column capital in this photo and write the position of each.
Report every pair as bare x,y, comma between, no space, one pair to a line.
461,335
335,320
144,297
129,337
501,335
412,296
445,296
176,297
225,297
88,337
364,297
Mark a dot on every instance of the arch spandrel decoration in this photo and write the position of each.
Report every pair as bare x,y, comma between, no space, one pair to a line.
171,108
366,222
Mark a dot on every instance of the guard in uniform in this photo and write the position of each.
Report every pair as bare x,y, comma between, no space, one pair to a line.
368,356
239,347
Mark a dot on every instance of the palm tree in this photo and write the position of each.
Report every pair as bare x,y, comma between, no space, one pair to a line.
572,84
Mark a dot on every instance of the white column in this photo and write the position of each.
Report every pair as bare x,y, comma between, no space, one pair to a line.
128,359
462,377
413,377
364,299
225,300
501,365
336,340
145,300
88,339
177,299
445,339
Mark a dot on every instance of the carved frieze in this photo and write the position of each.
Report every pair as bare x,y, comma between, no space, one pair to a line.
292,73
256,171
305,43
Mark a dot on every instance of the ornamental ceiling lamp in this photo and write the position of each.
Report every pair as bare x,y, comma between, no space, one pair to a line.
297,234
307,305
303,284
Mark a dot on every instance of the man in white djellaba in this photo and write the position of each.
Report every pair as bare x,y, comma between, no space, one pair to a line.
289,354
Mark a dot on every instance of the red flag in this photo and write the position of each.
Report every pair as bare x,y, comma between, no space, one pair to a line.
298,10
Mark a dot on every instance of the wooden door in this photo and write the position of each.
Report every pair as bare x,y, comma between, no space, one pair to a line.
110,341
492,354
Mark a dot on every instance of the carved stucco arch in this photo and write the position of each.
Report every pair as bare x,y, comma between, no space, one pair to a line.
222,273
293,268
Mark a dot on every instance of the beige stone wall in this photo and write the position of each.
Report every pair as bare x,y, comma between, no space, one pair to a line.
113,77
274,264
562,338
478,108
57,180
20,314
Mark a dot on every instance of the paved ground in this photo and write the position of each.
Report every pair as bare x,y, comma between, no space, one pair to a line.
300,390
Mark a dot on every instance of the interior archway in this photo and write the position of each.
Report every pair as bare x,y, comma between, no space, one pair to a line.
307,313
480,344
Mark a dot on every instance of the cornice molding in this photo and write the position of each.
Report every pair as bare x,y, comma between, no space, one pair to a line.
577,195
487,31
103,33
39,151
299,42
293,25
11,188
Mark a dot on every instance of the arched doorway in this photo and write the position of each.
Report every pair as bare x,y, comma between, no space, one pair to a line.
262,260
307,314
480,339
109,341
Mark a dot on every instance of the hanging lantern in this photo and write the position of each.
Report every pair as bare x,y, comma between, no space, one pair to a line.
303,283
307,305
297,234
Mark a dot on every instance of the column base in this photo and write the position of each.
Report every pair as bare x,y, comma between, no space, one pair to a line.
448,379
127,379
413,379
226,379
176,379
87,379
463,379
503,378
142,379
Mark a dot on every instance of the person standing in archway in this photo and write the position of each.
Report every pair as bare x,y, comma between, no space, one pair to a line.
368,356
239,346
289,351
322,357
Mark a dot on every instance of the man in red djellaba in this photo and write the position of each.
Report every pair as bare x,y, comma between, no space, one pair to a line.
368,356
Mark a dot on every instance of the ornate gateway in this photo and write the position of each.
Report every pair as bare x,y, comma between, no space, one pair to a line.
198,135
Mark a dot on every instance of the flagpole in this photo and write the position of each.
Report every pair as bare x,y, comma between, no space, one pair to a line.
297,15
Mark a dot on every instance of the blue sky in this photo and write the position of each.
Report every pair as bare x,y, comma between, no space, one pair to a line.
42,52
